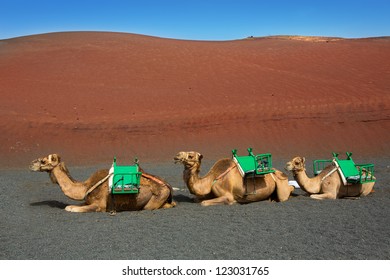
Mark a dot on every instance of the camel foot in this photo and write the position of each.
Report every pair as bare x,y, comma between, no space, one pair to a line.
70,208
218,200
352,197
323,196
169,205
81,209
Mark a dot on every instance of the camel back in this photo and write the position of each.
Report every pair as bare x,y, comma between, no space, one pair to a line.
350,172
260,164
125,179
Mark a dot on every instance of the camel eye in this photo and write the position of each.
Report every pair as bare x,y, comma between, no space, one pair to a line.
190,156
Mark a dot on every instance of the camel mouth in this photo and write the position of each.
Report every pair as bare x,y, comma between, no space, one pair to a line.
288,167
34,166
177,159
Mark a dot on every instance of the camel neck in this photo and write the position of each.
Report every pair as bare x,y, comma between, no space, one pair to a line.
307,184
73,190
196,185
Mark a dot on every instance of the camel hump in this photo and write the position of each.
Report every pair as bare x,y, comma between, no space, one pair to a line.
221,166
97,176
161,182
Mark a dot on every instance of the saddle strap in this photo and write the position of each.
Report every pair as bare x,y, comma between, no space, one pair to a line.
224,173
96,185
330,173
153,179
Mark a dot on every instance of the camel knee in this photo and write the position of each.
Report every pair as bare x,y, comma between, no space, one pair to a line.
284,191
158,200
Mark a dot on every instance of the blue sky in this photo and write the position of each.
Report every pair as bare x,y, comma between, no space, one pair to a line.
198,19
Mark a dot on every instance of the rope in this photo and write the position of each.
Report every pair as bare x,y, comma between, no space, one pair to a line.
154,179
96,185
273,177
330,173
223,174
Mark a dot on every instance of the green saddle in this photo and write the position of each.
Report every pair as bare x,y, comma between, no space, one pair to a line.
350,172
125,179
260,164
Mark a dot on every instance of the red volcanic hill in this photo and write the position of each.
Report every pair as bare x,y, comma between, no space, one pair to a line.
92,95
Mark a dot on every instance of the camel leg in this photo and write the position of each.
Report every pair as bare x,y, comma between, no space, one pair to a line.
283,190
219,200
168,205
83,208
367,188
327,195
159,200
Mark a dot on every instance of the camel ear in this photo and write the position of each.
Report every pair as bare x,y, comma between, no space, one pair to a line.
303,160
55,158
200,156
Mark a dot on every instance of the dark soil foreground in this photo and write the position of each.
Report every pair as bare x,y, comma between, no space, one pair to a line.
34,224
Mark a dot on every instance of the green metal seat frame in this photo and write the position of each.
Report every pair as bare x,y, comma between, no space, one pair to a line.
125,179
260,164
320,164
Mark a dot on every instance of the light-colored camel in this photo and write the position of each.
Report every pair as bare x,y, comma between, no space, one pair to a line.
223,184
326,185
154,193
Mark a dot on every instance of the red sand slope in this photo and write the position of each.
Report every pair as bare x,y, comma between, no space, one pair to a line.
91,95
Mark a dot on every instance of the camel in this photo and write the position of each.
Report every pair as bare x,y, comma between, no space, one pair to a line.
223,184
154,193
326,185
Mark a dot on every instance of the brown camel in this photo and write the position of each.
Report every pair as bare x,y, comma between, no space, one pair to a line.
154,193
326,185
223,184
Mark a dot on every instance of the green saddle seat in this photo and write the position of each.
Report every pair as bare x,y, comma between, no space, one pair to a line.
125,179
350,172
260,164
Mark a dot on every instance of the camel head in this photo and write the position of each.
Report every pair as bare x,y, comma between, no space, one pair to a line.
189,159
46,163
296,164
